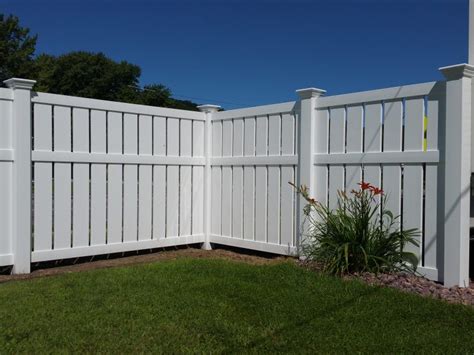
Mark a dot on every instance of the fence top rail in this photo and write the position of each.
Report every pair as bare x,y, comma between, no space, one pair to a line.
6,94
104,105
392,93
255,111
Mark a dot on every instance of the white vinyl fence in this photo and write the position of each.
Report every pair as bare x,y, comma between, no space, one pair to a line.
82,177
253,159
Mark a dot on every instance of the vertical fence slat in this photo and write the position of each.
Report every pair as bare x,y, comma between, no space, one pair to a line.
80,229
287,193
413,174
274,148
98,179
393,121
321,134
216,176
373,140
62,179
114,179
237,180
198,179
226,179
145,178
337,145
185,179
261,181
159,179
43,178
130,175
172,180
249,179
354,145
6,137
430,249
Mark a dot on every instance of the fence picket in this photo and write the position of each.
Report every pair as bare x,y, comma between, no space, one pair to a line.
355,116
80,209
249,180
373,141
226,207
62,179
198,179
274,148
43,179
98,179
393,122
114,179
432,234
159,179
145,193
261,180
337,145
287,175
172,180
413,174
237,180
321,135
185,179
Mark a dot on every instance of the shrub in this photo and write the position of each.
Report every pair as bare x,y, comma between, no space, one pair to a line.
360,234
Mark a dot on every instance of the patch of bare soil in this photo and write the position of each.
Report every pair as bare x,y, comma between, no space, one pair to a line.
84,264
412,284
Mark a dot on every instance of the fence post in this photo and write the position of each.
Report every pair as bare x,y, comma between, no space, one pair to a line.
208,111
457,167
21,114
306,144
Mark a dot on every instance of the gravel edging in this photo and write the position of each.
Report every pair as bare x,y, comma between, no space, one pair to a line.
412,284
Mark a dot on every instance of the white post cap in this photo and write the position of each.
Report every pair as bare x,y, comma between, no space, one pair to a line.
17,83
458,71
209,108
310,92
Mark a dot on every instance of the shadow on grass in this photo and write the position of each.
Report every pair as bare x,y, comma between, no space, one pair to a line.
328,311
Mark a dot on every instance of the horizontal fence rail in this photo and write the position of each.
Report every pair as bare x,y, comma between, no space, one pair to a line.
82,177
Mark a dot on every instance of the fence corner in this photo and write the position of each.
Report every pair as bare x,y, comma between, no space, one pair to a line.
208,110
306,143
21,204
456,158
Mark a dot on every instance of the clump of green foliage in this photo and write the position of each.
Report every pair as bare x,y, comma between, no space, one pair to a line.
359,235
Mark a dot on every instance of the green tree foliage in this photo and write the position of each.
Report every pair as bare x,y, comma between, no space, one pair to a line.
17,48
80,73
87,75
160,95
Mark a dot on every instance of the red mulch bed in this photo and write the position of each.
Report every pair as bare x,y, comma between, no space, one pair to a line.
412,284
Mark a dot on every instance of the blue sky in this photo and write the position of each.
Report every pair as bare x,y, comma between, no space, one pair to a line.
246,53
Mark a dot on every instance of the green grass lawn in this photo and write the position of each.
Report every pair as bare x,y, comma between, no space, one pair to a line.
198,305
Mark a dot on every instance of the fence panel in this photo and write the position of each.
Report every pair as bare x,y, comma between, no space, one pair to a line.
111,177
385,145
254,158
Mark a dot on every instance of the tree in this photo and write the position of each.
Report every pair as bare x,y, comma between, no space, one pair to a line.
160,95
17,48
88,75
96,76
80,73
